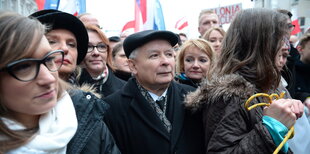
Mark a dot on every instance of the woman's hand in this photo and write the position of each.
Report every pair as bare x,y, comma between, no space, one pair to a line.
298,108
285,110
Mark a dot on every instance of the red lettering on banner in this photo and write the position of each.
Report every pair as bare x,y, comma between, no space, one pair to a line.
227,10
227,13
222,11
237,8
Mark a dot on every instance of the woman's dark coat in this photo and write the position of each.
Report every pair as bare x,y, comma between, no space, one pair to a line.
92,136
228,126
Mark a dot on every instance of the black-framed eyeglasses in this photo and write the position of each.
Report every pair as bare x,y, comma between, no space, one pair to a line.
101,47
291,27
28,69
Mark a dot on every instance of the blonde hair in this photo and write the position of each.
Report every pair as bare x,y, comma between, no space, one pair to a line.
19,35
203,12
201,44
207,34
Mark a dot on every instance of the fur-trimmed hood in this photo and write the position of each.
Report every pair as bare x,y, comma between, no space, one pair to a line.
85,88
89,88
224,87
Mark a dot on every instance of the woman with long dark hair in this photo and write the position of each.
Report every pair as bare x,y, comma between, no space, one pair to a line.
247,66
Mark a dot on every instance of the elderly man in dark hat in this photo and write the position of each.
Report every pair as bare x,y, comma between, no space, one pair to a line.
147,115
67,33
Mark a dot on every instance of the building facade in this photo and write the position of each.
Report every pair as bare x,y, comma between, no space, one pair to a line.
24,7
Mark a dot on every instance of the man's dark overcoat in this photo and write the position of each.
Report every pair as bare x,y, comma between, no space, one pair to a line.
138,130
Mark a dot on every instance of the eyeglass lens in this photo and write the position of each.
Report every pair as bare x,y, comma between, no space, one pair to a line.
28,69
100,47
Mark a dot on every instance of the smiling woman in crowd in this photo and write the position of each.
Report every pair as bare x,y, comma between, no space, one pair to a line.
215,36
97,63
193,62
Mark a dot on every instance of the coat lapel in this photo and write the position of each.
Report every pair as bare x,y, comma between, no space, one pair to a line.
143,109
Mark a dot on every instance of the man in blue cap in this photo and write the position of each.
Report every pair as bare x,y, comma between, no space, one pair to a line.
147,115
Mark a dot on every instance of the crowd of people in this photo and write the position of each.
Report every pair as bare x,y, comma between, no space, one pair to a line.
154,92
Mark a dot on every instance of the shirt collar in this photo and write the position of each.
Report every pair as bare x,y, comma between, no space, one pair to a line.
155,97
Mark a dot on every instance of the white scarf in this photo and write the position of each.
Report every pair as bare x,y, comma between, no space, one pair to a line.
56,129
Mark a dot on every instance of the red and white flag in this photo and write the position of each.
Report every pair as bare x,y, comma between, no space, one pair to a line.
148,15
74,7
295,22
181,23
297,27
69,6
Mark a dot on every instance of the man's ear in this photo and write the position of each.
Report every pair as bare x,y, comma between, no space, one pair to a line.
132,66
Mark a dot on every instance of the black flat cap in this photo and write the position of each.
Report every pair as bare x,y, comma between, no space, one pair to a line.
138,39
114,39
61,20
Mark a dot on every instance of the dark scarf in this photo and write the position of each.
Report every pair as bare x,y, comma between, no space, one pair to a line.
161,113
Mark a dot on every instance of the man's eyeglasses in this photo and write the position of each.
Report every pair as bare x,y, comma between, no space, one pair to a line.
100,47
291,27
28,69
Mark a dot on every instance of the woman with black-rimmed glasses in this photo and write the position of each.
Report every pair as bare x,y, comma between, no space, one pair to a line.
97,64
31,94
37,113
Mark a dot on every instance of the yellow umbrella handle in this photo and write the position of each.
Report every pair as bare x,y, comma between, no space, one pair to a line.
271,97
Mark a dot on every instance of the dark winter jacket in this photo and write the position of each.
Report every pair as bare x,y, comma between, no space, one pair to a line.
288,72
302,81
92,136
122,75
138,130
229,127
